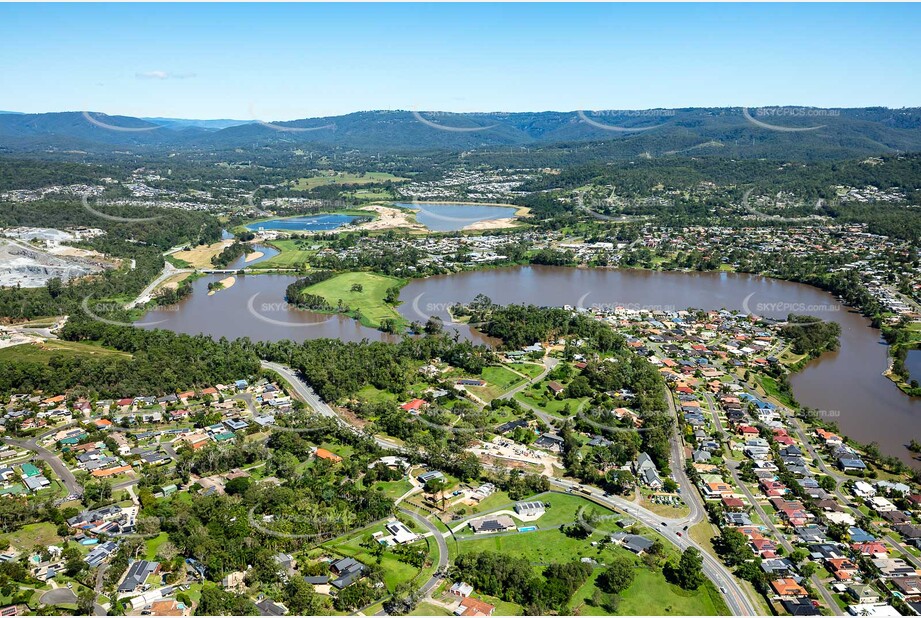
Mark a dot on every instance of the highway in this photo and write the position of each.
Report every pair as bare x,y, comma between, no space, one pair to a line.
736,598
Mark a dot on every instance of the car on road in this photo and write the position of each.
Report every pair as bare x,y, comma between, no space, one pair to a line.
685,528
723,589
678,533
665,525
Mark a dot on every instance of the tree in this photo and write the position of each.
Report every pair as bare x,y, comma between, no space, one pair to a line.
357,287
688,573
237,486
618,576
217,602
435,486
300,599
433,326
86,601
284,464
733,546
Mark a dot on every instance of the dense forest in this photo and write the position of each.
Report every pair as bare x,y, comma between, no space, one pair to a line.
161,362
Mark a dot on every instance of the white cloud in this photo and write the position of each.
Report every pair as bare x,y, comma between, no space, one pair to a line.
163,75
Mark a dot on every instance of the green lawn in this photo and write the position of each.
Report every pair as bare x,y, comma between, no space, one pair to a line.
153,545
528,369
429,609
369,301
651,595
537,547
344,178
552,405
395,572
499,381
393,489
294,254
372,195
44,352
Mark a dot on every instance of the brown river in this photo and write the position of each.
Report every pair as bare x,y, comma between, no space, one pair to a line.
846,386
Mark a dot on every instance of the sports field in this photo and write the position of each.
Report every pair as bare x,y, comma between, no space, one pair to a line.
368,304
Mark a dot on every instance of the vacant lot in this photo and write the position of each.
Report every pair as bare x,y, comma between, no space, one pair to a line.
200,257
357,546
27,537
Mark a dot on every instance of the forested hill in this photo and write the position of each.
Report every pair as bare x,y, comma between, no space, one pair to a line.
700,132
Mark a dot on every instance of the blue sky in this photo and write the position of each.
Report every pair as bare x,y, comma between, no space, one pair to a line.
284,61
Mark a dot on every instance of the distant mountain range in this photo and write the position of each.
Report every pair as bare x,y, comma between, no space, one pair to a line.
781,132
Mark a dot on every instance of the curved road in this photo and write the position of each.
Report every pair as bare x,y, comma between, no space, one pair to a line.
442,550
55,462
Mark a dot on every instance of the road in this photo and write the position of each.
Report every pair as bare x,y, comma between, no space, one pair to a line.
549,364
66,596
843,500
732,466
688,490
428,586
59,467
302,390
736,598
147,293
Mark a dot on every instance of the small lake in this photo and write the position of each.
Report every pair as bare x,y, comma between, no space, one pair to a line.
847,386
314,223
267,253
449,217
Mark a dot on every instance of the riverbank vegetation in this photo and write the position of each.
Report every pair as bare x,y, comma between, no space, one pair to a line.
230,253
810,335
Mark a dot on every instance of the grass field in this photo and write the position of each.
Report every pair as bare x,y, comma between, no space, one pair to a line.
27,537
529,369
43,352
534,397
395,572
429,609
294,254
651,595
200,256
344,178
373,195
153,545
499,381
369,301
393,489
